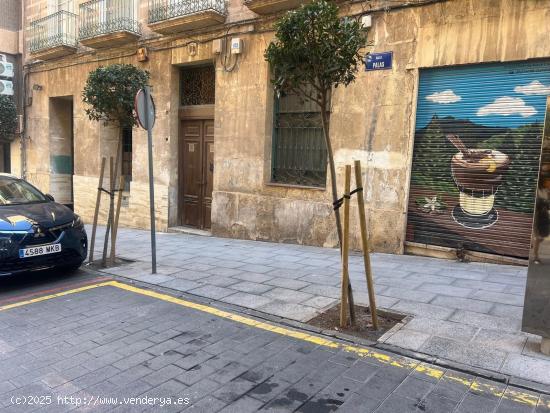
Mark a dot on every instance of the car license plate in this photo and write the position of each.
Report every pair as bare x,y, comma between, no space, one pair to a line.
42,250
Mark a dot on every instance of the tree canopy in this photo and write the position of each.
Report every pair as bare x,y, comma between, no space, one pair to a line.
8,118
315,47
110,92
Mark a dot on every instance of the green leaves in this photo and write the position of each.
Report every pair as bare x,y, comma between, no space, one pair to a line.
110,93
8,118
315,46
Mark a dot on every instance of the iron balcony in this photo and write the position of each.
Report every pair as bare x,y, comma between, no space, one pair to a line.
106,23
272,6
53,36
173,16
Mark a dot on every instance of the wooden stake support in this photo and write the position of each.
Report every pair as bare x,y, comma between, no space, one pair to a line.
365,244
109,230
111,208
96,212
115,224
345,251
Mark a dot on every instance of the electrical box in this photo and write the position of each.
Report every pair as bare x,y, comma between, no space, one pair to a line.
366,21
236,45
6,69
6,87
217,46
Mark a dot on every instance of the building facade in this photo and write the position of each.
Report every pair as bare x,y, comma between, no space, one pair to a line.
449,134
11,52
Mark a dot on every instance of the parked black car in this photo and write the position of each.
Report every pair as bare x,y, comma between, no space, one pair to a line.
37,233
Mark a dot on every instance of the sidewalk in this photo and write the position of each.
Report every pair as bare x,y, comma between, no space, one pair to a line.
464,313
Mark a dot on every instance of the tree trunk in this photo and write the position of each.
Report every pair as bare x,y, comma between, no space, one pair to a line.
334,186
332,168
111,204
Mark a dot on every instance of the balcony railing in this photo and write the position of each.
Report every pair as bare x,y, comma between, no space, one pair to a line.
160,10
272,6
57,31
104,17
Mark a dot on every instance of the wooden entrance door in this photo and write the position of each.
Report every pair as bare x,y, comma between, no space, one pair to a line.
196,172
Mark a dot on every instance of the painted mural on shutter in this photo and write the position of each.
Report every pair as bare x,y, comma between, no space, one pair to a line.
476,156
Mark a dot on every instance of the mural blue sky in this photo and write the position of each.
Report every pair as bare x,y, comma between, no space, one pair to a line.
504,95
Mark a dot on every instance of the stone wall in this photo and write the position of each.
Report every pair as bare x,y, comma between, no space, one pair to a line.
372,119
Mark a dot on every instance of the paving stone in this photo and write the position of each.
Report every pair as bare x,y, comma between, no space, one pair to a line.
480,285
297,312
414,388
252,276
251,287
182,284
468,304
504,310
288,295
503,298
488,322
243,405
248,300
424,310
508,342
286,283
207,405
407,294
437,404
409,339
476,404
442,328
447,290
396,403
477,356
530,368
359,403
212,291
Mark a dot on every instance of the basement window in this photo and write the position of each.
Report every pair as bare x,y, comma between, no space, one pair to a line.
299,154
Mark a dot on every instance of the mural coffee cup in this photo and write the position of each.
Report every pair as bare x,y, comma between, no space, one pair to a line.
478,175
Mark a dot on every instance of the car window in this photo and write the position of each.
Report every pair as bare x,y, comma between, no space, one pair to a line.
17,191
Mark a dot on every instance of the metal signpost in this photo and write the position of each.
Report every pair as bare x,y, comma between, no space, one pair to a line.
379,61
145,111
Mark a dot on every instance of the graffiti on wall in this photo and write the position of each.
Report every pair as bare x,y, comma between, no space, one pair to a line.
476,156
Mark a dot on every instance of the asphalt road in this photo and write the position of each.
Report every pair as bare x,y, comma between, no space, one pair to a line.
78,342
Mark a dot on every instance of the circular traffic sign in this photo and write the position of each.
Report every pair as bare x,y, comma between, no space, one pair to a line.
145,109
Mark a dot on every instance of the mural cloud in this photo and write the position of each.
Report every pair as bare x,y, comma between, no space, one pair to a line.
506,106
444,97
533,88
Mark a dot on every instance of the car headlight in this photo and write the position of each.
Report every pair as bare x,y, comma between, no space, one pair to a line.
77,222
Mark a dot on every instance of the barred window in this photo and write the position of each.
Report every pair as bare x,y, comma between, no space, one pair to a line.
198,85
299,154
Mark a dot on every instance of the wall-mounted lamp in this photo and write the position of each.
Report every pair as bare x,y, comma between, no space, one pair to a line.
37,87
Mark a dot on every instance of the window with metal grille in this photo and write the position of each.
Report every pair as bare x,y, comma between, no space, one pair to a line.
198,85
127,157
299,154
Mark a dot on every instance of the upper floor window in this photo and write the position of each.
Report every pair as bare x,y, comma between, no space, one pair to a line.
60,5
299,154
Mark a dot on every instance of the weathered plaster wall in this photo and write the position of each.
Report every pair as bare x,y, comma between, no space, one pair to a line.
372,120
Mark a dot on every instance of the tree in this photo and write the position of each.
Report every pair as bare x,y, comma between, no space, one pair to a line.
110,92
315,51
8,119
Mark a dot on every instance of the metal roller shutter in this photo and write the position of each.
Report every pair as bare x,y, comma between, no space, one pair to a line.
476,156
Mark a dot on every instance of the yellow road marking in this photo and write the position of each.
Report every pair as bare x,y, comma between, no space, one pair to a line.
49,297
516,396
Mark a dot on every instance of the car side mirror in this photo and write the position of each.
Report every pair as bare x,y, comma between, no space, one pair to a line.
50,197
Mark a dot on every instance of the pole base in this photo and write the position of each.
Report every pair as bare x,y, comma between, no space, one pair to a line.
545,346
